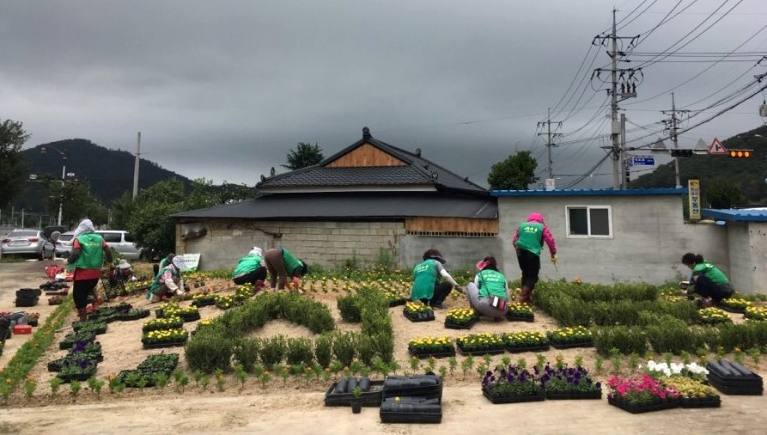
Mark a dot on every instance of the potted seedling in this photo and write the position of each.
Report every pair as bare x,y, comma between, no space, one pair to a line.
357,402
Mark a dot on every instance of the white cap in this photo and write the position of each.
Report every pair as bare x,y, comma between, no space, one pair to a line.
123,264
255,250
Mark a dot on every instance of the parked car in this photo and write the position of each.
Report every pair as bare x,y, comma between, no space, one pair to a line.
121,242
64,244
27,242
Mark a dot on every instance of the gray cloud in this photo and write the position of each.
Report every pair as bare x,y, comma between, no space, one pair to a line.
224,90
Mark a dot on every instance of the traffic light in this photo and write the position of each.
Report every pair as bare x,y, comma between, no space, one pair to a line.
740,154
681,153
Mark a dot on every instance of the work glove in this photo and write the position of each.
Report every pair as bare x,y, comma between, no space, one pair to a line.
554,259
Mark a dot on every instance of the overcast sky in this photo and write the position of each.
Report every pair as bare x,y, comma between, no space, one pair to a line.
223,90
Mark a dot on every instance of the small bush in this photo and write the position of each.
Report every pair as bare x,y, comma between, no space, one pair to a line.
323,350
298,351
272,351
208,352
625,339
245,352
344,347
349,307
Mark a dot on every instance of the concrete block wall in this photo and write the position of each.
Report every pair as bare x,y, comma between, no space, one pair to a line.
325,243
649,237
757,246
740,249
460,252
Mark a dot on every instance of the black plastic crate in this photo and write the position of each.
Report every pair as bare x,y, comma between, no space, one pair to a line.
412,409
372,397
426,386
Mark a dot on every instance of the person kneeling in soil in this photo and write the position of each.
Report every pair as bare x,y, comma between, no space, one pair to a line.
426,286
168,281
281,263
250,269
707,280
489,293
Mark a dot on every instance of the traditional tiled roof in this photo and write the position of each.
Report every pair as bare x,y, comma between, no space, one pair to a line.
593,192
350,206
415,171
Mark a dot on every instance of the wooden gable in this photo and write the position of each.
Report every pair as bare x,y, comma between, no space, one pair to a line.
365,155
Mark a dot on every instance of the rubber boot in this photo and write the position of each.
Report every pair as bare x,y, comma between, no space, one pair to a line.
524,295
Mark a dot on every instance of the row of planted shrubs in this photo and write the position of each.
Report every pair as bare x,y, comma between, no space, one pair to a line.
223,342
668,334
601,305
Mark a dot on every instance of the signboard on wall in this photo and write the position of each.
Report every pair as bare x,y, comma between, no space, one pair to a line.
191,262
693,192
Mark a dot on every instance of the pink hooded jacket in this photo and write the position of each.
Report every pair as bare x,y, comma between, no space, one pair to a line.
547,237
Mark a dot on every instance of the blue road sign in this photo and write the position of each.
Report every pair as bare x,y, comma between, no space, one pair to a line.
644,160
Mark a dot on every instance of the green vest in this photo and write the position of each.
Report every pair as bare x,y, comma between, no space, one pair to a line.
291,262
91,252
711,272
158,279
425,278
247,264
492,283
530,237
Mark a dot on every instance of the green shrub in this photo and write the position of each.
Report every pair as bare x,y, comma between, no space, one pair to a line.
349,307
366,349
272,351
208,352
323,350
245,352
298,351
684,310
672,335
344,347
626,339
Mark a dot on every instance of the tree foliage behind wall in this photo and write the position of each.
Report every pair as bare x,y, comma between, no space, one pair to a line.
517,172
13,167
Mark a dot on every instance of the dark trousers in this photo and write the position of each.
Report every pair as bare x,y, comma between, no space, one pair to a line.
530,265
707,289
251,277
440,294
81,290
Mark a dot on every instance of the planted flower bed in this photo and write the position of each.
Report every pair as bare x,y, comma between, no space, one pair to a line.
525,341
569,383
133,314
693,393
162,324
203,300
426,347
461,318
641,394
755,313
512,385
81,350
735,305
164,338
71,339
714,316
146,374
480,344
418,312
520,312
187,314
96,326
569,337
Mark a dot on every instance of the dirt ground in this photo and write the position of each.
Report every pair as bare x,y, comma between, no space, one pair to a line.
297,406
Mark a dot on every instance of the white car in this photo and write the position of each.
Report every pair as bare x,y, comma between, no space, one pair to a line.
121,242
29,242
64,244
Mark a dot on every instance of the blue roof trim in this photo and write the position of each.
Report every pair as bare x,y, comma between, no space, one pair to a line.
592,192
736,215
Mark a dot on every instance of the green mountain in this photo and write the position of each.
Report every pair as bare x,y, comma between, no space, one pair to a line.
748,175
108,173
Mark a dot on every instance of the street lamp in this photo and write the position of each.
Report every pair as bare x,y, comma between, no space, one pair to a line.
63,176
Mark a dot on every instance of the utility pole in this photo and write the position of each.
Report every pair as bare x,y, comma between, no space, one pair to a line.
549,142
135,165
672,128
623,82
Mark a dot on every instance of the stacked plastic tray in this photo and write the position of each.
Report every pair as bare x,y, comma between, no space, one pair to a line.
733,378
412,399
341,393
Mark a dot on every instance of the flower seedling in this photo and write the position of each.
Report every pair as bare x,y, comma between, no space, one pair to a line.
74,389
29,386
95,385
